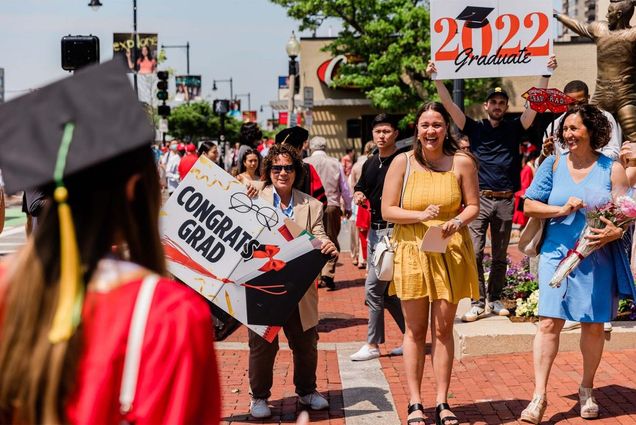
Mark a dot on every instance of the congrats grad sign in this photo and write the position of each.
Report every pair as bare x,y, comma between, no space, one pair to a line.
490,38
240,253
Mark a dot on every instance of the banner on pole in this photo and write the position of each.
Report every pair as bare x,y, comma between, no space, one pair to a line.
188,88
240,253
490,38
144,60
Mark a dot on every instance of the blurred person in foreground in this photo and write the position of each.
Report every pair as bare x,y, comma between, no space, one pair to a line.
562,187
69,352
282,170
435,185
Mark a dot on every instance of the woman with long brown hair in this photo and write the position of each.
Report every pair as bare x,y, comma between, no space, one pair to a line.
435,186
90,331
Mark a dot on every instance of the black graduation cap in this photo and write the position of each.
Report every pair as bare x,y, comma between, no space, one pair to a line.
475,16
294,136
101,105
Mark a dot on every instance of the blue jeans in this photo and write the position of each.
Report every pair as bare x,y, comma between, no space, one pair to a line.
375,291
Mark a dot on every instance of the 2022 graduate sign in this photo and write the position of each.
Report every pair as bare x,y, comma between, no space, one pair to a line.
490,38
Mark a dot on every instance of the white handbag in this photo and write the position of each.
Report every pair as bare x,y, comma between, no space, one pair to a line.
383,258
384,253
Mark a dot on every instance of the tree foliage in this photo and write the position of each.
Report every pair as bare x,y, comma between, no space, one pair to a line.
196,120
387,43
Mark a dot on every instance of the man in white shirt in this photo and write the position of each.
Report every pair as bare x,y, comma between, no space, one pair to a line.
171,161
336,188
579,91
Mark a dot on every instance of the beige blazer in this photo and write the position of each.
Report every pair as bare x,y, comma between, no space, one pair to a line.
308,215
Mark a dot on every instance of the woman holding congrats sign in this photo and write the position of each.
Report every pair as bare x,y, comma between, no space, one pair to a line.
442,181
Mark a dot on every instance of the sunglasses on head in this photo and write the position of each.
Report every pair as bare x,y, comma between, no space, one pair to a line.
279,168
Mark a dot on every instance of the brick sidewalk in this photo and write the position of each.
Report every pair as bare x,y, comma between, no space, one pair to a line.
484,390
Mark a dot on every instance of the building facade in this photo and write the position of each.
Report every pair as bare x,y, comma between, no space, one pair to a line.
343,116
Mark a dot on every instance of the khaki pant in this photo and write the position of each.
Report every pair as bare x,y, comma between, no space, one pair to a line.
304,346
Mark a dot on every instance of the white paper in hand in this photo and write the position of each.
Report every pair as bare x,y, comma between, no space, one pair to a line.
433,240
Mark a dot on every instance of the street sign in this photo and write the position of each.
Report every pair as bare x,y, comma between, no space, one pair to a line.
309,118
163,125
308,97
293,120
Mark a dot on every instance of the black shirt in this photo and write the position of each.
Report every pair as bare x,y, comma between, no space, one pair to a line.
371,182
497,149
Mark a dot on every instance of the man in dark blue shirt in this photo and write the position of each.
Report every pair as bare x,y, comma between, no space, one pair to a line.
495,143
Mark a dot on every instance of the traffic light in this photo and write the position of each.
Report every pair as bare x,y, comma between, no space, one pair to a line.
162,85
162,93
79,51
163,110
221,106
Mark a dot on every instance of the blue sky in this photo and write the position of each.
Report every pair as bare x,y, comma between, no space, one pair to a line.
242,39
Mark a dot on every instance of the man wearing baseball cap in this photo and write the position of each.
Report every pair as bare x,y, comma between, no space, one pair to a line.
495,142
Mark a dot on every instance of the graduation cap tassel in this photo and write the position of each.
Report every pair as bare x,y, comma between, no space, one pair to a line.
71,293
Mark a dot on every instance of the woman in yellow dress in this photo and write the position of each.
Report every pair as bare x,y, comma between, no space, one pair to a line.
441,190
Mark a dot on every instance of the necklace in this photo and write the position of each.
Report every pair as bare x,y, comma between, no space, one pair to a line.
385,158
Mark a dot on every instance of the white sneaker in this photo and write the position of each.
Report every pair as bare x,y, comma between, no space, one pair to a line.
315,401
607,326
398,351
474,313
571,324
496,307
365,353
259,408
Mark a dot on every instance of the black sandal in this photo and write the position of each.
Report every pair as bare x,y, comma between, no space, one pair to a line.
414,408
448,420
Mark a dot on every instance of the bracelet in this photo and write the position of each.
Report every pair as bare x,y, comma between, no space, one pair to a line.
459,221
547,75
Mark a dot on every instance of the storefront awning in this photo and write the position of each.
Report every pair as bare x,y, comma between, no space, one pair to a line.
281,105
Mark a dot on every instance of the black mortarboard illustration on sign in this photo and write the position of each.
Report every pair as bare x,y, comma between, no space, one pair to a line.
265,308
101,104
475,16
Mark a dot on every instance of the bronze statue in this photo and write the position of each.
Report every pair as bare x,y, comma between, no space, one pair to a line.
616,62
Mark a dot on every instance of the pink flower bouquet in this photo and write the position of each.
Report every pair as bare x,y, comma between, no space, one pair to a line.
620,211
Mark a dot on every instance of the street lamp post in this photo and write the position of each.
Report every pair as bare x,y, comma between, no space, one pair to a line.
214,88
181,46
249,101
293,49
95,5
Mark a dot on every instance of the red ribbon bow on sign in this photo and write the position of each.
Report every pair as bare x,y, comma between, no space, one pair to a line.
268,251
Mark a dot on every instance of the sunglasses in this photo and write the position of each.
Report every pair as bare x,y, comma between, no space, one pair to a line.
278,168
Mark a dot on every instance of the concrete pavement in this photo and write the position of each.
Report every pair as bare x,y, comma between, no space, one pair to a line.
489,389
485,389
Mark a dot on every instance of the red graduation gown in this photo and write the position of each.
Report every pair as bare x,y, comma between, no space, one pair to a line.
178,380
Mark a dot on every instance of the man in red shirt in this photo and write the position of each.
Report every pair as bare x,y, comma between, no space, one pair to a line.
188,160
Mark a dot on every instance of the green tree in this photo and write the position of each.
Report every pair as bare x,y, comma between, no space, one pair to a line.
196,120
387,43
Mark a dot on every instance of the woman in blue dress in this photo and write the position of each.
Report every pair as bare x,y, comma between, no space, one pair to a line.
560,192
